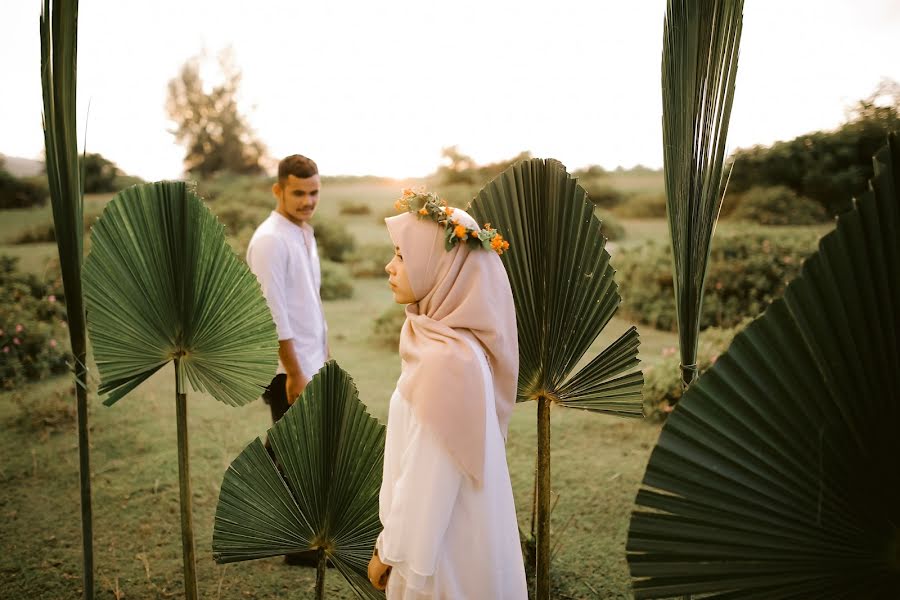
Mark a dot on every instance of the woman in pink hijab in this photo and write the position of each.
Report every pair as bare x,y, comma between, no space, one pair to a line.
446,503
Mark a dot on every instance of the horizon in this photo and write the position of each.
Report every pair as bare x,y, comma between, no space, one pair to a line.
389,86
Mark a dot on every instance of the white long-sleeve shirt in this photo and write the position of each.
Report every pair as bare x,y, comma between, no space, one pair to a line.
444,538
285,260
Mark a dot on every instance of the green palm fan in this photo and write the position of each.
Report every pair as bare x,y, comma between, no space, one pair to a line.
162,286
565,295
777,475
324,496
59,28
699,65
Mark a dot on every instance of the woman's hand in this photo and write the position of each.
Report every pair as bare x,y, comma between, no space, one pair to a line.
378,572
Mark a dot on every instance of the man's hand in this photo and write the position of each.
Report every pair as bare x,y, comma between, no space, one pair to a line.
378,572
294,386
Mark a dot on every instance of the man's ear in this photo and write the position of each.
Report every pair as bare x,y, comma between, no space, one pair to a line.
276,190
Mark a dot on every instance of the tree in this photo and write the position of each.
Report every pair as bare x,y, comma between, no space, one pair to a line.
460,168
830,167
208,124
162,285
99,174
58,29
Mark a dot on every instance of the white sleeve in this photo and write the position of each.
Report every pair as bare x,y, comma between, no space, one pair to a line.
267,258
423,499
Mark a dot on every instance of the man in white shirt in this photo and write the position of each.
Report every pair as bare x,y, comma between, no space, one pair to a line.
282,254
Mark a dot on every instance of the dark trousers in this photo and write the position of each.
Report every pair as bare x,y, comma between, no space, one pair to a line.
276,397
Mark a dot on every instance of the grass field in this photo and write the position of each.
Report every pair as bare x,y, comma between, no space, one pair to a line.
598,461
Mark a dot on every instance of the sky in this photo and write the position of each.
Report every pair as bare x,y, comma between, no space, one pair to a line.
380,88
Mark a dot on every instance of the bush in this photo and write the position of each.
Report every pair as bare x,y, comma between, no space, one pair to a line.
643,205
33,336
236,216
602,193
46,413
334,240
749,267
662,381
610,227
777,205
336,281
45,233
369,260
386,329
355,209
22,193
245,190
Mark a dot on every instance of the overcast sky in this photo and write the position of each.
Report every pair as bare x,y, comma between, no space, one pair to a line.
367,87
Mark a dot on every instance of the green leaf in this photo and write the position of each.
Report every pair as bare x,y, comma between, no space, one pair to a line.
563,287
699,65
161,283
776,476
58,65
322,495
59,50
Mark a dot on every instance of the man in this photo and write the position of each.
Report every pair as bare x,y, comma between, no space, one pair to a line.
282,254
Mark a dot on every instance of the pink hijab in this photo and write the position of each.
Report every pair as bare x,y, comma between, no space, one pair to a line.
463,291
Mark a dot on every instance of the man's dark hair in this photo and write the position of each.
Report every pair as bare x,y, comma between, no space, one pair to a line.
296,165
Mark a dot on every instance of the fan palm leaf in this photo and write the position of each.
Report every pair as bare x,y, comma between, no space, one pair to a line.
161,286
319,493
565,294
699,65
776,477
59,28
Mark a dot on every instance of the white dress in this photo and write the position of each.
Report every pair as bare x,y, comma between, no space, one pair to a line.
445,538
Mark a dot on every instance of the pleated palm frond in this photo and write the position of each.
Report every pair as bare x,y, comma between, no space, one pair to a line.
323,493
777,476
564,289
59,49
161,284
699,65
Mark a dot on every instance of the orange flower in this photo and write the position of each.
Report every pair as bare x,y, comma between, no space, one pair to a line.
460,231
474,234
423,211
408,192
398,205
505,245
497,242
448,210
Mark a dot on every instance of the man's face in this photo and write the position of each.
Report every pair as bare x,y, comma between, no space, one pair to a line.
297,198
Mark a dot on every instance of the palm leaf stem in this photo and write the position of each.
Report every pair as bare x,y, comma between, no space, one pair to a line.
184,486
58,34
320,574
542,569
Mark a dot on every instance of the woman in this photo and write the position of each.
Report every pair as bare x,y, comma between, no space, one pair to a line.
446,503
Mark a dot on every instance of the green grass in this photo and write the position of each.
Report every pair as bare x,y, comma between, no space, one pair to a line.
598,463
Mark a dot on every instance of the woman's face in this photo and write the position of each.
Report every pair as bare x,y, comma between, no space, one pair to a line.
396,270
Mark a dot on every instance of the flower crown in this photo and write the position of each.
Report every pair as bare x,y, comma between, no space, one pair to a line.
429,205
